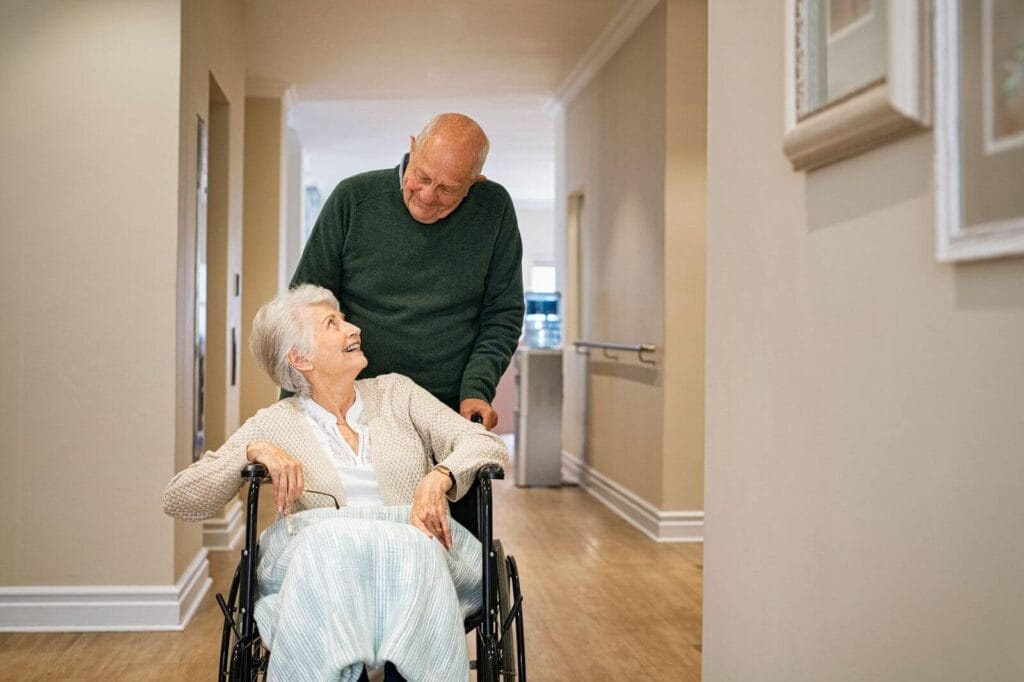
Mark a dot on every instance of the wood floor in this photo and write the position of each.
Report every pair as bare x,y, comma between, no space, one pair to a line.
602,602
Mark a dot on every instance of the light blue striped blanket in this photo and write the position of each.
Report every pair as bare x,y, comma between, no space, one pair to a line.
342,587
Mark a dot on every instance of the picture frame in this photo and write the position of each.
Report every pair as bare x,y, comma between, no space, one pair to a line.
894,104
979,133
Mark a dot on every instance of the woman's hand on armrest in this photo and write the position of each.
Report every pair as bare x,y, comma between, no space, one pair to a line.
285,472
430,507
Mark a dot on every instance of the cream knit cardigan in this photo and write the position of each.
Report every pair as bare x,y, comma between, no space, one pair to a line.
409,430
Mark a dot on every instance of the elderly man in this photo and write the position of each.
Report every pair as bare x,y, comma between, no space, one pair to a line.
427,259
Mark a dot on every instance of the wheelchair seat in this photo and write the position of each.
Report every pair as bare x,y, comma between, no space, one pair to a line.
500,648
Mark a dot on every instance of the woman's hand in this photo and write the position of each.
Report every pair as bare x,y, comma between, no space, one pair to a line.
285,472
430,507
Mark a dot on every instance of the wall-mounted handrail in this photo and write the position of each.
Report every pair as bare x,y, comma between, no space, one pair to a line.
584,347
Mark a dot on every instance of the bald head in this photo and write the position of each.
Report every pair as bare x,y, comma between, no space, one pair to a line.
445,160
457,132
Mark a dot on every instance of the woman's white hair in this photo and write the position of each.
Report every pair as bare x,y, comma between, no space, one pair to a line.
279,326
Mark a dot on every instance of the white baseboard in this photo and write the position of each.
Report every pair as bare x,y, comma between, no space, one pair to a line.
89,608
663,526
225,532
572,469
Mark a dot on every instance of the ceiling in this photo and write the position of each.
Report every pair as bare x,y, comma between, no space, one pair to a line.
368,73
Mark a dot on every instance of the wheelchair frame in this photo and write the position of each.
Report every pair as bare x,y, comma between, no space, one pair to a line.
243,656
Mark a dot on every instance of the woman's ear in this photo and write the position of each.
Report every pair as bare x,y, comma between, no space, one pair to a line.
298,361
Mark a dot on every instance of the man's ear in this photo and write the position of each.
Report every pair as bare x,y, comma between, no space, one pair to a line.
298,361
412,143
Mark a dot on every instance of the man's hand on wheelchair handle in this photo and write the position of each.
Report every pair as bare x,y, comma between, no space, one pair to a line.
430,507
471,406
285,472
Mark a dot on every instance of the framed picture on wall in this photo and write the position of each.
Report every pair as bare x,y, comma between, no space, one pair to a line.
857,75
979,128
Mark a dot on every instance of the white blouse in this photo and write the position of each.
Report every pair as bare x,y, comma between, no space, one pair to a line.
355,469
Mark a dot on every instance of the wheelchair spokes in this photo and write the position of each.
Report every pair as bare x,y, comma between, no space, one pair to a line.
249,660
242,659
502,656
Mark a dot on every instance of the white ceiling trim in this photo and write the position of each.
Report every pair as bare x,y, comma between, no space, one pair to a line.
618,30
256,86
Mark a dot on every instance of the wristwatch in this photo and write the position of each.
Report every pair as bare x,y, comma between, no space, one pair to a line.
447,472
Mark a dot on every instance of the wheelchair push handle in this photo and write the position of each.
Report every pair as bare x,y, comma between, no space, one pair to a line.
255,470
492,471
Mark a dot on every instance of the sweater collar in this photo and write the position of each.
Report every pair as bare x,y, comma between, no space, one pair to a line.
401,171
356,417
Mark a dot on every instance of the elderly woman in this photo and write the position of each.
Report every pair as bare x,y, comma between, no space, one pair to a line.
372,443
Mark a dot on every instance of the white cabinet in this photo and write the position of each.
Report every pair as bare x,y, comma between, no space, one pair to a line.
538,407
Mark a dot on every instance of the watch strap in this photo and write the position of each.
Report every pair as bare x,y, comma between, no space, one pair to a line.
446,471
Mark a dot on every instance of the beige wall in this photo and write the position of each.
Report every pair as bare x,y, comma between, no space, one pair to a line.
88,280
614,154
261,247
292,208
632,142
685,244
864,421
212,47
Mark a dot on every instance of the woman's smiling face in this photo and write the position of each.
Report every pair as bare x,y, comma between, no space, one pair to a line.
337,344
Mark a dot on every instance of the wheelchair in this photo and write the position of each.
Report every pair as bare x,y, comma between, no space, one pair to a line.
500,648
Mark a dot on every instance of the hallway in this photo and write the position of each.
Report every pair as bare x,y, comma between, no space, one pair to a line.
830,281
601,601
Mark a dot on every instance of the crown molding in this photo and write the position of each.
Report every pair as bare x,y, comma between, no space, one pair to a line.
265,87
618,30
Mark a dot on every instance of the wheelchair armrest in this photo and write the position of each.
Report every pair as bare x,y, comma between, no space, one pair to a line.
254,470
492,471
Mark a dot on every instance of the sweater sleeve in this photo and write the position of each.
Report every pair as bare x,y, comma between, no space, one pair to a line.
321,258
501,315
202,489
460,444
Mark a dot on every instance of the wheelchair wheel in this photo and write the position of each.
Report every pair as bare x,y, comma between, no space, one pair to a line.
511,652
506,652
248,660
240,661
516,615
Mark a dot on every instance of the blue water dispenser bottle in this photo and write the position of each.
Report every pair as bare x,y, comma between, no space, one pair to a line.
542,327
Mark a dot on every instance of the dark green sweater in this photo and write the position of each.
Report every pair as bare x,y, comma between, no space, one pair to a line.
440,303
